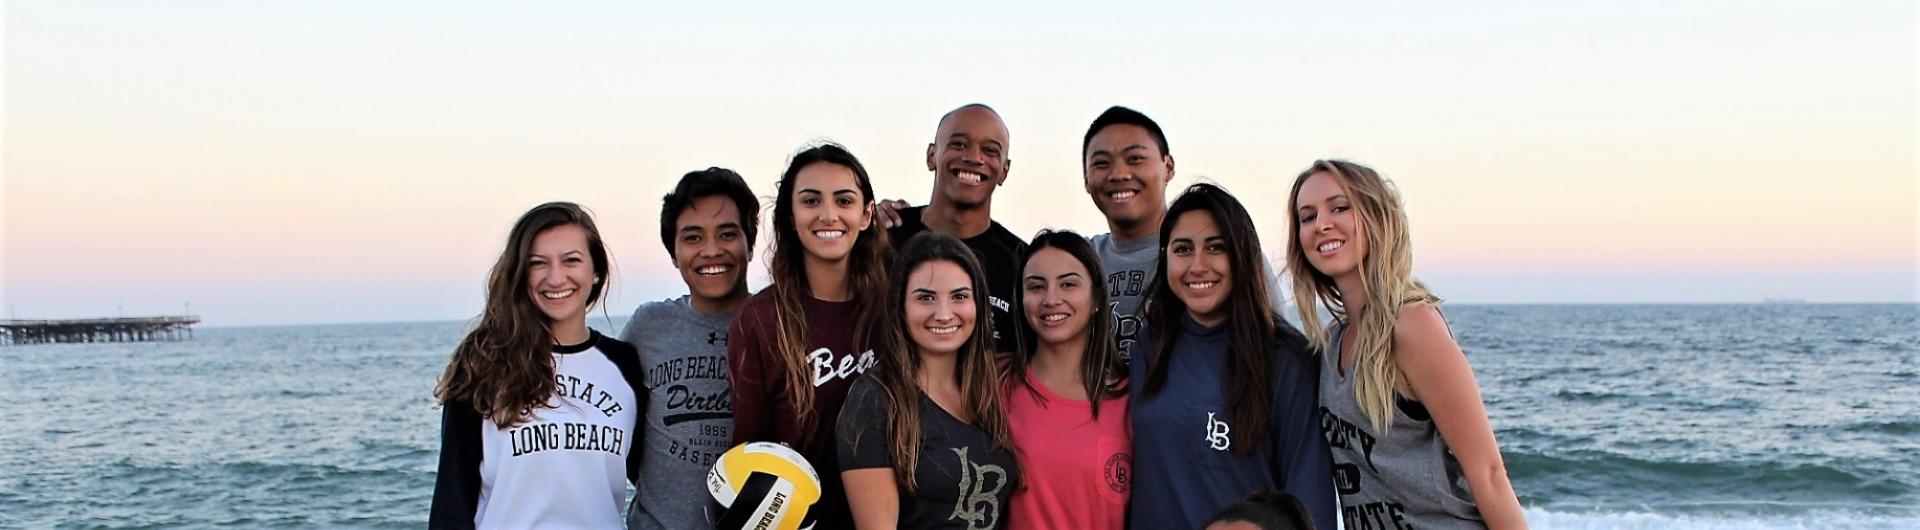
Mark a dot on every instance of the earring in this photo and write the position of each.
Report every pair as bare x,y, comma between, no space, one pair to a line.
596,279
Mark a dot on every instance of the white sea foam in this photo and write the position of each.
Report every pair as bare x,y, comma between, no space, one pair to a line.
1554,520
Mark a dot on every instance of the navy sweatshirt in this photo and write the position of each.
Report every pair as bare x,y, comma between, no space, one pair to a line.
1186,467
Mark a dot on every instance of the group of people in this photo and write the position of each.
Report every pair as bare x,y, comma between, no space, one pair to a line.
941,372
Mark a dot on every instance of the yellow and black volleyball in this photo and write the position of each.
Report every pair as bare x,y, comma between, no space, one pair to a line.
762,486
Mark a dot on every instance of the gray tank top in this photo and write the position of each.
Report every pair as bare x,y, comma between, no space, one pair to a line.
1405,479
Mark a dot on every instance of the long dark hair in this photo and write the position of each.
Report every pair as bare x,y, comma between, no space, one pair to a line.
504,367
1250,322
1268,510
866,271
1100,369
899,367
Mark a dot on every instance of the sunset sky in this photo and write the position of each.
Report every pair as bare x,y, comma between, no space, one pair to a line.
317,162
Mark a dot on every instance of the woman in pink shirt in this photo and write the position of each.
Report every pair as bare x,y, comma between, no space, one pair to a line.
1066,394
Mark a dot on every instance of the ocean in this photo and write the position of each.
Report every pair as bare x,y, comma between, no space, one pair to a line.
1610,416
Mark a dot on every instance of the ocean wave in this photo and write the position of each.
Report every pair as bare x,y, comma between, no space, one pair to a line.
398,456
1889,344
1599,478
131,493
1562,520
296,393
1585,396
1643,397
1631,343
1894,427
272,474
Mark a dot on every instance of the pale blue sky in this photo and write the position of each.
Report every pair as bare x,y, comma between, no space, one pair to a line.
291,162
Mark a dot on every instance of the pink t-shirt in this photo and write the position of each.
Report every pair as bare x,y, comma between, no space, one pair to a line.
1077,471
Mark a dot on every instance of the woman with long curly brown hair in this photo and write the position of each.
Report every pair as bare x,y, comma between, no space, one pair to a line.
539,410
795,347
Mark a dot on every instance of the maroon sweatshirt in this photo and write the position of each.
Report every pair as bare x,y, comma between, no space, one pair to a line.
761,411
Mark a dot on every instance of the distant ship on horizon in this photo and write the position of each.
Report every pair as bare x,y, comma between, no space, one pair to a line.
1776,300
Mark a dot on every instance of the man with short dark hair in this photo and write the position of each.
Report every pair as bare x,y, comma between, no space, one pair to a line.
1127,166
968,158
708,224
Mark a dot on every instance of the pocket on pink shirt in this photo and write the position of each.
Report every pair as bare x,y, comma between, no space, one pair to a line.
1116,468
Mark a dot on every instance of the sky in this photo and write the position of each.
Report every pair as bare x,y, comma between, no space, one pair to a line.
261,163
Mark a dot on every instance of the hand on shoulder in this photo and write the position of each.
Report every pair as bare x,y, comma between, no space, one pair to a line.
888,212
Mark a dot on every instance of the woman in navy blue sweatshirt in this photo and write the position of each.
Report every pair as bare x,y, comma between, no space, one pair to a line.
1225,400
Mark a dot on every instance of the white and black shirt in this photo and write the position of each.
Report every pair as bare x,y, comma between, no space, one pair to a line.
566,465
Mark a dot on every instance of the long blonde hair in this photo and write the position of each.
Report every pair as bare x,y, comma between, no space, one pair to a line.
1386,277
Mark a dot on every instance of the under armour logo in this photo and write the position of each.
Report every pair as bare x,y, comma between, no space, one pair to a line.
715,337
978,504
1217,434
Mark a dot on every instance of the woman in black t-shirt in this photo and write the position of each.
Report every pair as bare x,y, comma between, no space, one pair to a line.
923,439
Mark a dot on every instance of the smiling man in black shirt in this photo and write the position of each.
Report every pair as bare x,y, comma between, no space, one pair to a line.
968,158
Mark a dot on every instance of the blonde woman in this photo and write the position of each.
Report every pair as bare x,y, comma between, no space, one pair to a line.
1402,413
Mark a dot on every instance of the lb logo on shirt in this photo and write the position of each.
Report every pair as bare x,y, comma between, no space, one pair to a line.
979,503
1119,472
1217,434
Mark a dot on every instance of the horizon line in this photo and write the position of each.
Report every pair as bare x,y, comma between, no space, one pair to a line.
609,317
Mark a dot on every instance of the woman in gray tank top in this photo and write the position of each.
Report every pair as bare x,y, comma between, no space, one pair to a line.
1399,406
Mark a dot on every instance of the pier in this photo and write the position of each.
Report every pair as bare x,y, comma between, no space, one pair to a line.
134,329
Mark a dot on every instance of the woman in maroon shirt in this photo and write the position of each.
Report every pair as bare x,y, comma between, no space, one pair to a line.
796,346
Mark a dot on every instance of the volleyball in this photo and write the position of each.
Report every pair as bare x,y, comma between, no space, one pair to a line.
762,486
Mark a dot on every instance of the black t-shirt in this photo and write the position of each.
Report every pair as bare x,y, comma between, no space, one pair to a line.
961,481
999,252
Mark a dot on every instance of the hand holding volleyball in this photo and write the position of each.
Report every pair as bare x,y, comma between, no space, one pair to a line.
762,486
